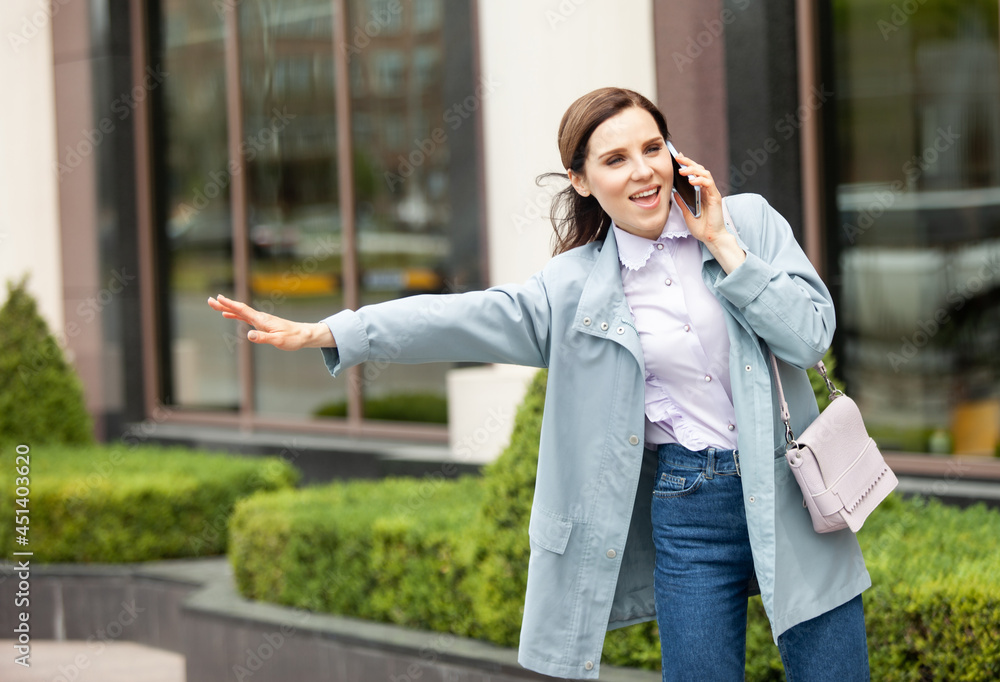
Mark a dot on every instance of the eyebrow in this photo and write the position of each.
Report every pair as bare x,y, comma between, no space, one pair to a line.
621,150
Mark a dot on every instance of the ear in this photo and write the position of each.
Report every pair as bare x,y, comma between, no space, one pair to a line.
579,183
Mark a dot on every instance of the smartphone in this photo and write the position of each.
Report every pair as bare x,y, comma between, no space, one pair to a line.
688,193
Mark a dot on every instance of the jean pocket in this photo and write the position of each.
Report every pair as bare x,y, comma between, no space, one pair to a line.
669,485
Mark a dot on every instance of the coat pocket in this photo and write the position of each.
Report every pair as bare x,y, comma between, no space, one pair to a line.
549,531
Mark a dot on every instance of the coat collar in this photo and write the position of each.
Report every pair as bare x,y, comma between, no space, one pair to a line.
603,302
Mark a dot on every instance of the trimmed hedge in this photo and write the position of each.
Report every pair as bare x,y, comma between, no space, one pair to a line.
933,612
118,504
41,397
429,408
395,550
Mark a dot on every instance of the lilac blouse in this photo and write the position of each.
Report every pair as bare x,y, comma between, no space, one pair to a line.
685,344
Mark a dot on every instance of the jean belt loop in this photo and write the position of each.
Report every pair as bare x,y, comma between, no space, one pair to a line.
736,460
710,463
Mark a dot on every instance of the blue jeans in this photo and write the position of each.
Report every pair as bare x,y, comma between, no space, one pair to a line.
703,572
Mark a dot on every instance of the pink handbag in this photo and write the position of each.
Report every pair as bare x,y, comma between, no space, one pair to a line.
840,470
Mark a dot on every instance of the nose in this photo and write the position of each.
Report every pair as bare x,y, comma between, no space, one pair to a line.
641,169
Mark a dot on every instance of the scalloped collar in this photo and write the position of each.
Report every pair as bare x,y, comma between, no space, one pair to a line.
634,251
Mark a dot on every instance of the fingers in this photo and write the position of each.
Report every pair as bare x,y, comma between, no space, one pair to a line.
235,310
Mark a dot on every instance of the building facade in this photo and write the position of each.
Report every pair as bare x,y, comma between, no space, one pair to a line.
312,155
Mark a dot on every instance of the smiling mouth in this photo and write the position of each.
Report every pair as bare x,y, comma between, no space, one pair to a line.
648,198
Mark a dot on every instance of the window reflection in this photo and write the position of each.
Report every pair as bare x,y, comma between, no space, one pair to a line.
415,190
918,101
293,212
414,229
195,236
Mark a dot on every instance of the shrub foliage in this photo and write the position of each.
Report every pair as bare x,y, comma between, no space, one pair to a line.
458,563
118,504
41,397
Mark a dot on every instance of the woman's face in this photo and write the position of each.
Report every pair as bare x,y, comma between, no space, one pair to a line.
629,171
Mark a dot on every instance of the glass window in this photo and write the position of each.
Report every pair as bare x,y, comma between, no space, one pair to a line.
413,230
426,15
917,246
390,72
193,207
293,207
415,221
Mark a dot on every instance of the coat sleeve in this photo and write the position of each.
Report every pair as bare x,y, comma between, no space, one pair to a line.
776,288
505,324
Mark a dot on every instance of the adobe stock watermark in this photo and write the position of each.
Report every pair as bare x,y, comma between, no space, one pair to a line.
883,200
956,299
97,643
86,312
218,180
224,7
32,25
381,18
563,12
291,281
714,29
785,128
900,14
425,318
540,206
452,119
122,106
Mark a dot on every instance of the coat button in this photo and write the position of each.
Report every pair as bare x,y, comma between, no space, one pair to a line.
586,321
612,554
620,330
604,326
752,499
634,440
589,665
747,368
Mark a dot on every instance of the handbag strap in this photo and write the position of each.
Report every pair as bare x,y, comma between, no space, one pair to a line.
786,416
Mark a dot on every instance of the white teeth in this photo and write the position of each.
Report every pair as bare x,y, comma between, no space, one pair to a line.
647,193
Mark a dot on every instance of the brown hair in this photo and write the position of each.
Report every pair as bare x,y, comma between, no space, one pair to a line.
579,220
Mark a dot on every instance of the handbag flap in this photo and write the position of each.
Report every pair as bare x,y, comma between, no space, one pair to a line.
837,437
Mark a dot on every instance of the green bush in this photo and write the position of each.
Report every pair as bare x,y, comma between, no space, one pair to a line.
501,541
819,386
395,550
41,398
933,613
400,407
116,504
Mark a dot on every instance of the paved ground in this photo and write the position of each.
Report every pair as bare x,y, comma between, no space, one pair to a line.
94,662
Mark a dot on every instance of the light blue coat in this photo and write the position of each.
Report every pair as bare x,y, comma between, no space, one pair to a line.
591,566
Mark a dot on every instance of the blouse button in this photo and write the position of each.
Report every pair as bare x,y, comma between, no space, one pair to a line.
687,327
604,326
634,440
731,427
586,321
668,281
708,377
659,247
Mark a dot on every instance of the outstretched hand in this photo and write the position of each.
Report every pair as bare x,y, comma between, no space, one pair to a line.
273,330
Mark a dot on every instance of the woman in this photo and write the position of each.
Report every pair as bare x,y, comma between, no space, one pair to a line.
661,488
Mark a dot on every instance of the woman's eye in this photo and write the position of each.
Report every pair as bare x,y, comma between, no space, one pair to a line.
653,148
614,160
